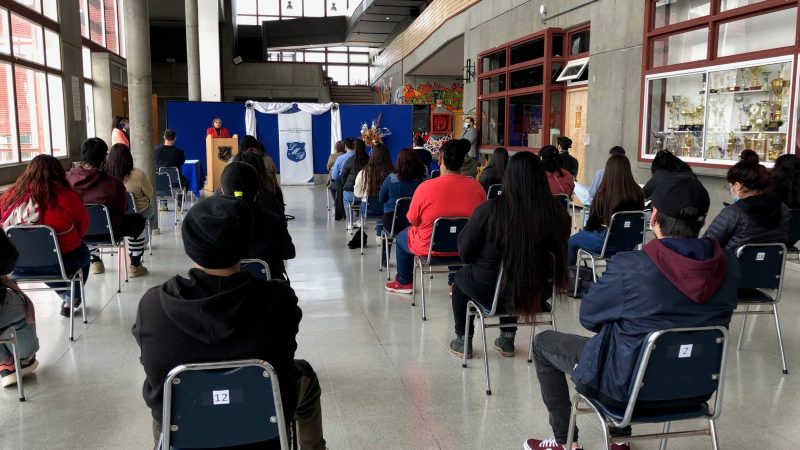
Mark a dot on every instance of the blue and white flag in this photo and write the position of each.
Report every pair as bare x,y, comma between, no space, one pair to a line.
296,151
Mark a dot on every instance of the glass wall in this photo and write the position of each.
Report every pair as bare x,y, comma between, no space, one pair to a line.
349,65
253,12
493,113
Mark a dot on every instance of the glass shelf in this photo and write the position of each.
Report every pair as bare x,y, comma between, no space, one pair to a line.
713,114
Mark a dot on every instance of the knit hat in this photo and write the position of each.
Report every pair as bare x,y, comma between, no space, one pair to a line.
240,179
681,198
218,231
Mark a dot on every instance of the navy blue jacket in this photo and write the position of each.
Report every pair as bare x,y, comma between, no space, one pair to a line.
392,189
646,291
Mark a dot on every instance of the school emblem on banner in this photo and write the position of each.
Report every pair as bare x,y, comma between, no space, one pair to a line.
296,151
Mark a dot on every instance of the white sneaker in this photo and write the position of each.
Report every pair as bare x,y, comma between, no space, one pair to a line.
378,241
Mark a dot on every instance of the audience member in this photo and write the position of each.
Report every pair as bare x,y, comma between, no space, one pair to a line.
16,310
617,192
119,164
97,187
119,134
496,168
369,181
522,231
666,165
423,154
270,173
220,313
45,183
568,162
270,195
755,216
598,176
168,155
347,180
748,155
216,129
336,174
559,180
449,195
677,281
470,166
409,175
786,180
271,240
338,150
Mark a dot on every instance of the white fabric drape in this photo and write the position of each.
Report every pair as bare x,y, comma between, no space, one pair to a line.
277,108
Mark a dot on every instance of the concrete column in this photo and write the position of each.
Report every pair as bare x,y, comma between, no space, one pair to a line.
192,50
208,15
72,71
140,87
103,109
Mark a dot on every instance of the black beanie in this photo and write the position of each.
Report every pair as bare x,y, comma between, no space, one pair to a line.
240,179
218,231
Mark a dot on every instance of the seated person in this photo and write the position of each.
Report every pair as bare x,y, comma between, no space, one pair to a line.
409,175
219,313
369,181
584,194
423,153
786,180
618,192
449,195
119,164
677,281
568,162
96,186
336,174
347,180
666,165
62,210
16,310
338,150
495,169
755,216
521,230
559,180
470,166
271,241
168,155
270,196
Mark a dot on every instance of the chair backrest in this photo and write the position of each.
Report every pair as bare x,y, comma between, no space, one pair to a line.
762,266
680,365
444,236
496,299
37,246
224,404
493,191
399,217
100,222
163,185
174,176
794,230
562,199
435,173
625,232
131,203
256,267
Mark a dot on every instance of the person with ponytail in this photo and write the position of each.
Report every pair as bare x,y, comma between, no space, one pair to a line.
525,231
559,180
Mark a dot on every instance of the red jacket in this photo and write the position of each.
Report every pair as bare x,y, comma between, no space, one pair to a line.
98,187
66,214
223,132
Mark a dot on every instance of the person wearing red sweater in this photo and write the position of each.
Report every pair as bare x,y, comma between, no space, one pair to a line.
216,130
451,194
60,208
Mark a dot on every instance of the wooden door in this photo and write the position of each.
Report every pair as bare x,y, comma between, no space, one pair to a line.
575,127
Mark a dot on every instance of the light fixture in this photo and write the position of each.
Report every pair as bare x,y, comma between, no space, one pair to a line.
388,18
289,4
333,6
543,13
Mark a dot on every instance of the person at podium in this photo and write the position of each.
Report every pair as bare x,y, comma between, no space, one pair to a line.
216,129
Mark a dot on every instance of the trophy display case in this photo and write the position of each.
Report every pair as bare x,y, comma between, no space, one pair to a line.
713,113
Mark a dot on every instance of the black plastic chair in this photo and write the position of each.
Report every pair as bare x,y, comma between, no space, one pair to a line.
38,247
493,191
176,182
399,223
625,233
444,239
366,215
256,267
435,173
222,404
679,371
100,236
132,209
763,265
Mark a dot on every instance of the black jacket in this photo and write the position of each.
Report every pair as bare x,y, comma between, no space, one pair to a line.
752,220
271,241
660,176
206,318
169,156
569,163
489,177
348,177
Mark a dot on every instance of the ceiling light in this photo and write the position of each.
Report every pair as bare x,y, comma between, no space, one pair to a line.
289,4
333,6
388,18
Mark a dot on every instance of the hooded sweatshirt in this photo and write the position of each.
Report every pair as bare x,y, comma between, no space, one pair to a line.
205,318
757,219
97,187
673,283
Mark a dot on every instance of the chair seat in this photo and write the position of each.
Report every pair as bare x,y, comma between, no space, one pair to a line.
443,261
29,277
653,415
753,296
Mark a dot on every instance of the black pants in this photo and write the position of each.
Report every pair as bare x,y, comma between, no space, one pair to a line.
463,292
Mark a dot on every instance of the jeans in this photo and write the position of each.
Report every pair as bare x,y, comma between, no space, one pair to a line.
587,240
405,259
349,198
74,261
480,294
17,312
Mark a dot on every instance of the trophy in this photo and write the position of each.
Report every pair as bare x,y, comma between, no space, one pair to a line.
776,147
755,71
699,111
659,142
731,144
671,110
777,86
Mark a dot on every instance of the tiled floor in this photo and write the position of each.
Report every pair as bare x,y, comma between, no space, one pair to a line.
388,379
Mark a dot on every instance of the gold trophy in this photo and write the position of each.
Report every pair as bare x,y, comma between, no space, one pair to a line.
777,144
777,86
731,144
755,71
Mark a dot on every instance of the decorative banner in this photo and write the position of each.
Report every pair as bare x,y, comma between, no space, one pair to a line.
452,97
296,151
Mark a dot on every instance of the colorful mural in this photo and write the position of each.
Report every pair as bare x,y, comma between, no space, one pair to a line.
452,97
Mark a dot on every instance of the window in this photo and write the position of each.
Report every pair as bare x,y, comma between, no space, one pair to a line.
525,120
669,12
530,77
87,62
339,74
358,58
496,83
772,30
52,49
579,43
47,7
680,48
733,4
27,39
102,23
359,75
8,120
493,119
527,51
88,93
253,12
494,61
5,47
573,70
33,120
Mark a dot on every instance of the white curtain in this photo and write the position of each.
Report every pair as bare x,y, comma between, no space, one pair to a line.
277,108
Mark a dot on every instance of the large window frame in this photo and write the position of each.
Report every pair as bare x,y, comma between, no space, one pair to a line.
336,56
298,10
116,20
50,74
712,22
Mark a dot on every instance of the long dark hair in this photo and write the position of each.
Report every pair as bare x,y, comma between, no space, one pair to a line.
39,180
360,157
550,159
499,161
786,180
377,169
119,163
258,164
667,161
116,122
530,228
750,174
249,142
618,186
408,166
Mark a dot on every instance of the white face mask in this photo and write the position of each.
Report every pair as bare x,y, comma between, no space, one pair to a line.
466,124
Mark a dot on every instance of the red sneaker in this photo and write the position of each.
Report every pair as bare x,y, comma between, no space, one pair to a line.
394,286
547,444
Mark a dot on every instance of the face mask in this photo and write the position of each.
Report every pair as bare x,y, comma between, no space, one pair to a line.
466,124
734,198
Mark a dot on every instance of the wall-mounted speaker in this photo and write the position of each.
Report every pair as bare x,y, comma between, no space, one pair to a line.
421,118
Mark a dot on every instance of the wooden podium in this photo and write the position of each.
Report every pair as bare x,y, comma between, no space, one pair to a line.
218,152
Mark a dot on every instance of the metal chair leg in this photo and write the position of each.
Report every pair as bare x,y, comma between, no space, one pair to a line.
422,293
530,346
17,366
780,338
466,334
573,417
72,311
485,352
741,331
594,269
83,296
413,284
664,429
713,429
